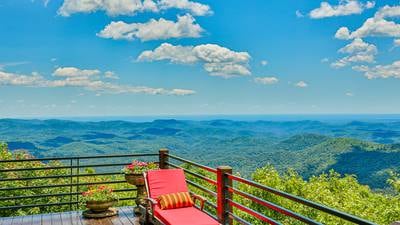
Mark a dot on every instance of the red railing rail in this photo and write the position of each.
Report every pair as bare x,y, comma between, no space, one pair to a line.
226,187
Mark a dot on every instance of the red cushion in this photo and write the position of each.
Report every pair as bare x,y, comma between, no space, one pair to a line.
166,181
184,216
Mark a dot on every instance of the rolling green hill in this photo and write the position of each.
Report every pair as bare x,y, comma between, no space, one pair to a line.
367,150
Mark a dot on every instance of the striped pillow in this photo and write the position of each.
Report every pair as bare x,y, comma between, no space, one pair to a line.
175,200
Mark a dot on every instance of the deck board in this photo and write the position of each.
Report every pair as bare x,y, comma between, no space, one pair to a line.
125,217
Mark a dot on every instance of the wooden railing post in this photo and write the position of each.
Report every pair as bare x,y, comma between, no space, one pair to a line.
223,194
163,158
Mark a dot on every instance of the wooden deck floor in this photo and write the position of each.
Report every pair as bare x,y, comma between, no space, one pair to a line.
125,217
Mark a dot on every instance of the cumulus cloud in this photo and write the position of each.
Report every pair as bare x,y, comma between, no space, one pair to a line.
216,60
161,29
74,72
131,7
377,26
380,71
110,75
85,80
266,80
301,84
358,52
195,8
344,8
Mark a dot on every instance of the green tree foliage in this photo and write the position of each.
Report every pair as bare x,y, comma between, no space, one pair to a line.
344,193
7,155
331,189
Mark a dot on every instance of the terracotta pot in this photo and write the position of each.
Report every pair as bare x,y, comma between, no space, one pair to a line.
135,179
99,206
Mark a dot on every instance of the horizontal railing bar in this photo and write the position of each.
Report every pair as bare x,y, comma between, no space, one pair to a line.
211,204
201,188
253,213
273,206
61,176
238,219
193,163
211,181
79,157
303,201
57,195
64,167
61,185
37,205
50,204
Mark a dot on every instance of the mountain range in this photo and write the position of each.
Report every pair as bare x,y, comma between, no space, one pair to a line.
366,149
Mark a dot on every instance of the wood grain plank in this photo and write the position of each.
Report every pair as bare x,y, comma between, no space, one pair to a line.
7,221
26,220
66,218
17,220
46,219
36,220
76,218
128,211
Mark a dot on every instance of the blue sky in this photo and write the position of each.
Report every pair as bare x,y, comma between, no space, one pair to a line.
183,57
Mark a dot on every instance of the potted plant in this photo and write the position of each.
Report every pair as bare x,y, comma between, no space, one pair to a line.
99,199
134,172
134,175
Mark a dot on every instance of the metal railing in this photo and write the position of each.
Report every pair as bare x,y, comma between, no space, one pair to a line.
67,181
226,183
219,185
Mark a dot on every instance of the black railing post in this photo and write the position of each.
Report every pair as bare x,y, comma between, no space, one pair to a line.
70,182
77,183
223,194
163,158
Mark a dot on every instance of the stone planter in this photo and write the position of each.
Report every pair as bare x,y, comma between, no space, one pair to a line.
138,181
99,206
135,179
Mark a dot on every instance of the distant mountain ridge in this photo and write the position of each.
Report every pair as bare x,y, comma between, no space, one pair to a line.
365,149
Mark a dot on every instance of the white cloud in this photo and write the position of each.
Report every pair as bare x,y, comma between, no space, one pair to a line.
358,45
8,64
53,59
324,60
264,62
380,71
376,26
301,84
21,80
110,75
217,60
74,72
396,42
299,14
85,81
153,30
350,94
131,7
195,8
266,80
345,7
359,51
343,33
173,53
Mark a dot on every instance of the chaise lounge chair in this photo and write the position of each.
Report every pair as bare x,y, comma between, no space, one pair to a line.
166,181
